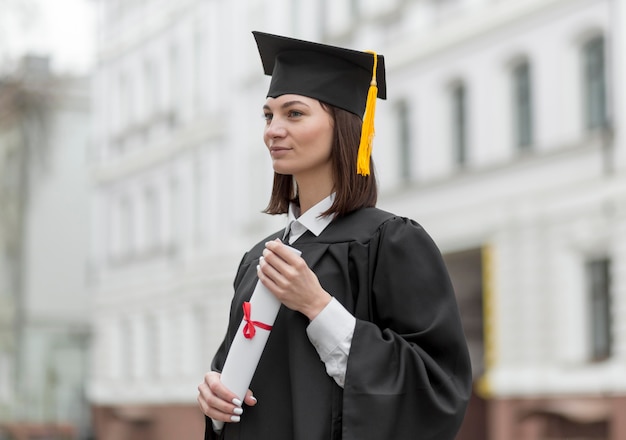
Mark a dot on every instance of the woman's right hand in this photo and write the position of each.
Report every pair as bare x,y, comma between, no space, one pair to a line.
218,402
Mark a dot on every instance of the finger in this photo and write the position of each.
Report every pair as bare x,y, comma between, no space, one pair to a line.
275,260
218,409
293,262
269,282
280,249
269,272
217,401
288,270
214,382
250,400
204,407
229,417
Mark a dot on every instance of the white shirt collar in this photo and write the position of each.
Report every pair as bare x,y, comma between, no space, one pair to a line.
312,220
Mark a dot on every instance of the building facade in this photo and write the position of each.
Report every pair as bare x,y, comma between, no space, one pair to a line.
44,322
502,135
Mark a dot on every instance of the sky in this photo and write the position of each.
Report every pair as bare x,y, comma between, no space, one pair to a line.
62,29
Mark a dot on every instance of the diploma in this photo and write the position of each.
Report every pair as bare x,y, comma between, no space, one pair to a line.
245,352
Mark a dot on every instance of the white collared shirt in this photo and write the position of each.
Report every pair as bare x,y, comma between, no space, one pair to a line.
312,220
332,329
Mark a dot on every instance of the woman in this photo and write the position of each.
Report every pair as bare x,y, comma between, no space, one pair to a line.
368,342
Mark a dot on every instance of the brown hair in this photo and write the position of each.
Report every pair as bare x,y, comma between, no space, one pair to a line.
353,191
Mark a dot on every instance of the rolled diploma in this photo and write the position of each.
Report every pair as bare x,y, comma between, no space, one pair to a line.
244,354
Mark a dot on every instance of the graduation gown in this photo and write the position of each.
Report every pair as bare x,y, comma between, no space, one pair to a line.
408,374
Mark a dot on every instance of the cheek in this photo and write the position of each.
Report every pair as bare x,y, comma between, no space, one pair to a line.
319,146
321,136
326,142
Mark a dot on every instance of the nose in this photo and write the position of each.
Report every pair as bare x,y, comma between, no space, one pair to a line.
275,129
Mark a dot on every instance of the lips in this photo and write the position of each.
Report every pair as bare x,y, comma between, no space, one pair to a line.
277,151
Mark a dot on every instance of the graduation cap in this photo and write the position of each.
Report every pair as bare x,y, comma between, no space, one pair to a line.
344,78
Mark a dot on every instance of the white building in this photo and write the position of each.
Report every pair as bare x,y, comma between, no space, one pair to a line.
44,321
501,135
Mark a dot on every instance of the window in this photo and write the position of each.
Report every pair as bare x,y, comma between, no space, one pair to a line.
595,83
404,140
459,123
522,103
599,284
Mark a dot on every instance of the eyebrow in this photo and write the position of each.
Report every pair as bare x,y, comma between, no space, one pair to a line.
287,104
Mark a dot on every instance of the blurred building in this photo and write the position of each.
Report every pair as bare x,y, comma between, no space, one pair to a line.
44,321
502,134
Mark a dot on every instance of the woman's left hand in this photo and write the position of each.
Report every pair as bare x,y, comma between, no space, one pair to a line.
289,278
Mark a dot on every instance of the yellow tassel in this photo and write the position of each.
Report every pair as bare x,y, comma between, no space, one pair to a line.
367,130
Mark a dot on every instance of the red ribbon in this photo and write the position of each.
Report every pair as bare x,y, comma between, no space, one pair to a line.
248,329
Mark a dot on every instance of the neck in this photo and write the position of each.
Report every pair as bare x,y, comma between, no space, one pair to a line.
311,193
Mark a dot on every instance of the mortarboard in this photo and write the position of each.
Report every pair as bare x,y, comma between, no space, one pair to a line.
344,78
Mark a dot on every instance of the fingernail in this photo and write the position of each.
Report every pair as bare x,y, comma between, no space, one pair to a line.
236,402
253,398
238,411
235,418
258,267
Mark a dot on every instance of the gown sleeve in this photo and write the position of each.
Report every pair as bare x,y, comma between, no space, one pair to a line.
408,373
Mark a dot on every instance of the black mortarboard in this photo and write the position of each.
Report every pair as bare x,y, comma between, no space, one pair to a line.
337,76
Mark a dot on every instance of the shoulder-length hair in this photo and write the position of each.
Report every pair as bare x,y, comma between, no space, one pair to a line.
352,191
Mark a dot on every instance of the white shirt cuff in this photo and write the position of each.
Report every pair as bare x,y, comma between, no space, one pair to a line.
331,334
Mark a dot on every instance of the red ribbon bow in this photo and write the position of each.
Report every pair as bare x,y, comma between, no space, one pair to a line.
248,329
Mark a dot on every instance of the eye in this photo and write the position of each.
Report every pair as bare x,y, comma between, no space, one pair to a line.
295,113
268,116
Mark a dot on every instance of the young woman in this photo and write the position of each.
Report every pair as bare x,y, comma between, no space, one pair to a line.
368,342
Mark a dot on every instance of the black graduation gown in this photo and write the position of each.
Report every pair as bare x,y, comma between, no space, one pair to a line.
408,373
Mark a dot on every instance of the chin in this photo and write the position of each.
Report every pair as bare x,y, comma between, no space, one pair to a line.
282,170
